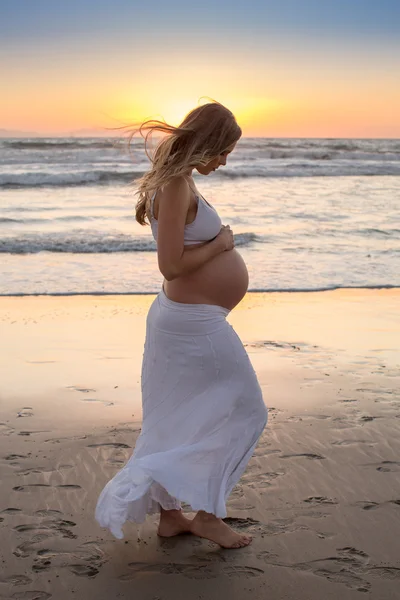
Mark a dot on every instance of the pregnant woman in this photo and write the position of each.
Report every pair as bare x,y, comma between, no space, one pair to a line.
203,410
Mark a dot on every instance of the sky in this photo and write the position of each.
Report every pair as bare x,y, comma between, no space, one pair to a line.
286,68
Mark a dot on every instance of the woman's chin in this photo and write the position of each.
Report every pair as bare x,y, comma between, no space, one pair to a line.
205,172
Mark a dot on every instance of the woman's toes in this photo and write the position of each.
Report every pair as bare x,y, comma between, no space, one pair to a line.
246,541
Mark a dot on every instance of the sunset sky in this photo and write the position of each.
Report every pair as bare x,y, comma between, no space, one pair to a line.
290,68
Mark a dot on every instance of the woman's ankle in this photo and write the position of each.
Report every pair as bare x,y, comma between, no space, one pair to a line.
205,516
170,514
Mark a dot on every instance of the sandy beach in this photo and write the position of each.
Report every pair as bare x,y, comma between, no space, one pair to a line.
321,495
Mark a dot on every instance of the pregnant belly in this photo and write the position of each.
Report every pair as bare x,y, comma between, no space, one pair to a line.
223,281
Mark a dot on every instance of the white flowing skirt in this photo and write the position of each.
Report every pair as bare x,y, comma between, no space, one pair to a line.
203,413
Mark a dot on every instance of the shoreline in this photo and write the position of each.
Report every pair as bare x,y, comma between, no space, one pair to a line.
255,291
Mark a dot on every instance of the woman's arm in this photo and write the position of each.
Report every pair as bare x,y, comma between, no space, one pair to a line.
173,260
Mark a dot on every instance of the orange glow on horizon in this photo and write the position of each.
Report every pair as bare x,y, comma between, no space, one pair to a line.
271,99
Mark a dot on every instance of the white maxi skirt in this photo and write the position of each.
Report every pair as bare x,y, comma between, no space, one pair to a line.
203,413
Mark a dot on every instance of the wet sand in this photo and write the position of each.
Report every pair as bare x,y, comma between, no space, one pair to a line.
321,495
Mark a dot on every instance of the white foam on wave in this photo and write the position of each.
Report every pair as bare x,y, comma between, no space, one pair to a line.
89,242
264,169
66,179
88,161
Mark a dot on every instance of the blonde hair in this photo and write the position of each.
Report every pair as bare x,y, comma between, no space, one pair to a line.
205,133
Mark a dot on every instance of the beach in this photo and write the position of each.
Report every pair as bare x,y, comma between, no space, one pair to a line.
320,496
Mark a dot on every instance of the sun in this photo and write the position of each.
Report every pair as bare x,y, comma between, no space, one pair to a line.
174,111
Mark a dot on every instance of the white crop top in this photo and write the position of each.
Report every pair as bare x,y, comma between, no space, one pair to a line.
206,225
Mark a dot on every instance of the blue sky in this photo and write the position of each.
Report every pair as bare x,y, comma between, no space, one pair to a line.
39,19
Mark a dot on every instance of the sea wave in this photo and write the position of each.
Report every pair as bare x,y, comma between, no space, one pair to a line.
328,154
309,169
63,219
89,242
69,179
245,169
59,144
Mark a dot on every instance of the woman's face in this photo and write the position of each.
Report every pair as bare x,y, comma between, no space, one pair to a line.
216,162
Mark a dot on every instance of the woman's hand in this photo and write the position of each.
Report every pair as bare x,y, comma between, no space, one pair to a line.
225,238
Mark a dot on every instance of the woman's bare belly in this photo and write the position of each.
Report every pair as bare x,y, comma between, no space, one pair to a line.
223,280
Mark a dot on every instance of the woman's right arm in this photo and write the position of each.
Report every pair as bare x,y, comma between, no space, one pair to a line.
173,260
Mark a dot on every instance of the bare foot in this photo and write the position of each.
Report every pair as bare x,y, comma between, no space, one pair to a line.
173,522
208,526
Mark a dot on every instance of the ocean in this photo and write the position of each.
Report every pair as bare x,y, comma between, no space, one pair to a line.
307,214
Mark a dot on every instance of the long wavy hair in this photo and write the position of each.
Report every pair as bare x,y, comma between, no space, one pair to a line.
205,133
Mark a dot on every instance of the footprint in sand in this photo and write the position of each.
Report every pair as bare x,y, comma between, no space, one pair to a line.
308,417
128,430
16,456
105,402
41,564
84,570
272,344
262,451
39,470
26,411
6,429
317,500
45,530
369,418
16,579
343,422
386,572
352,442
237,492
70,438
90,553
109,444
348,568
262,448
237,499
310,456
369,505
261,480
59,526
385,466
274,527
29,595
48,512
31,432
11,511
27,548
191,571
40,362
267,556
32,486
241,571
